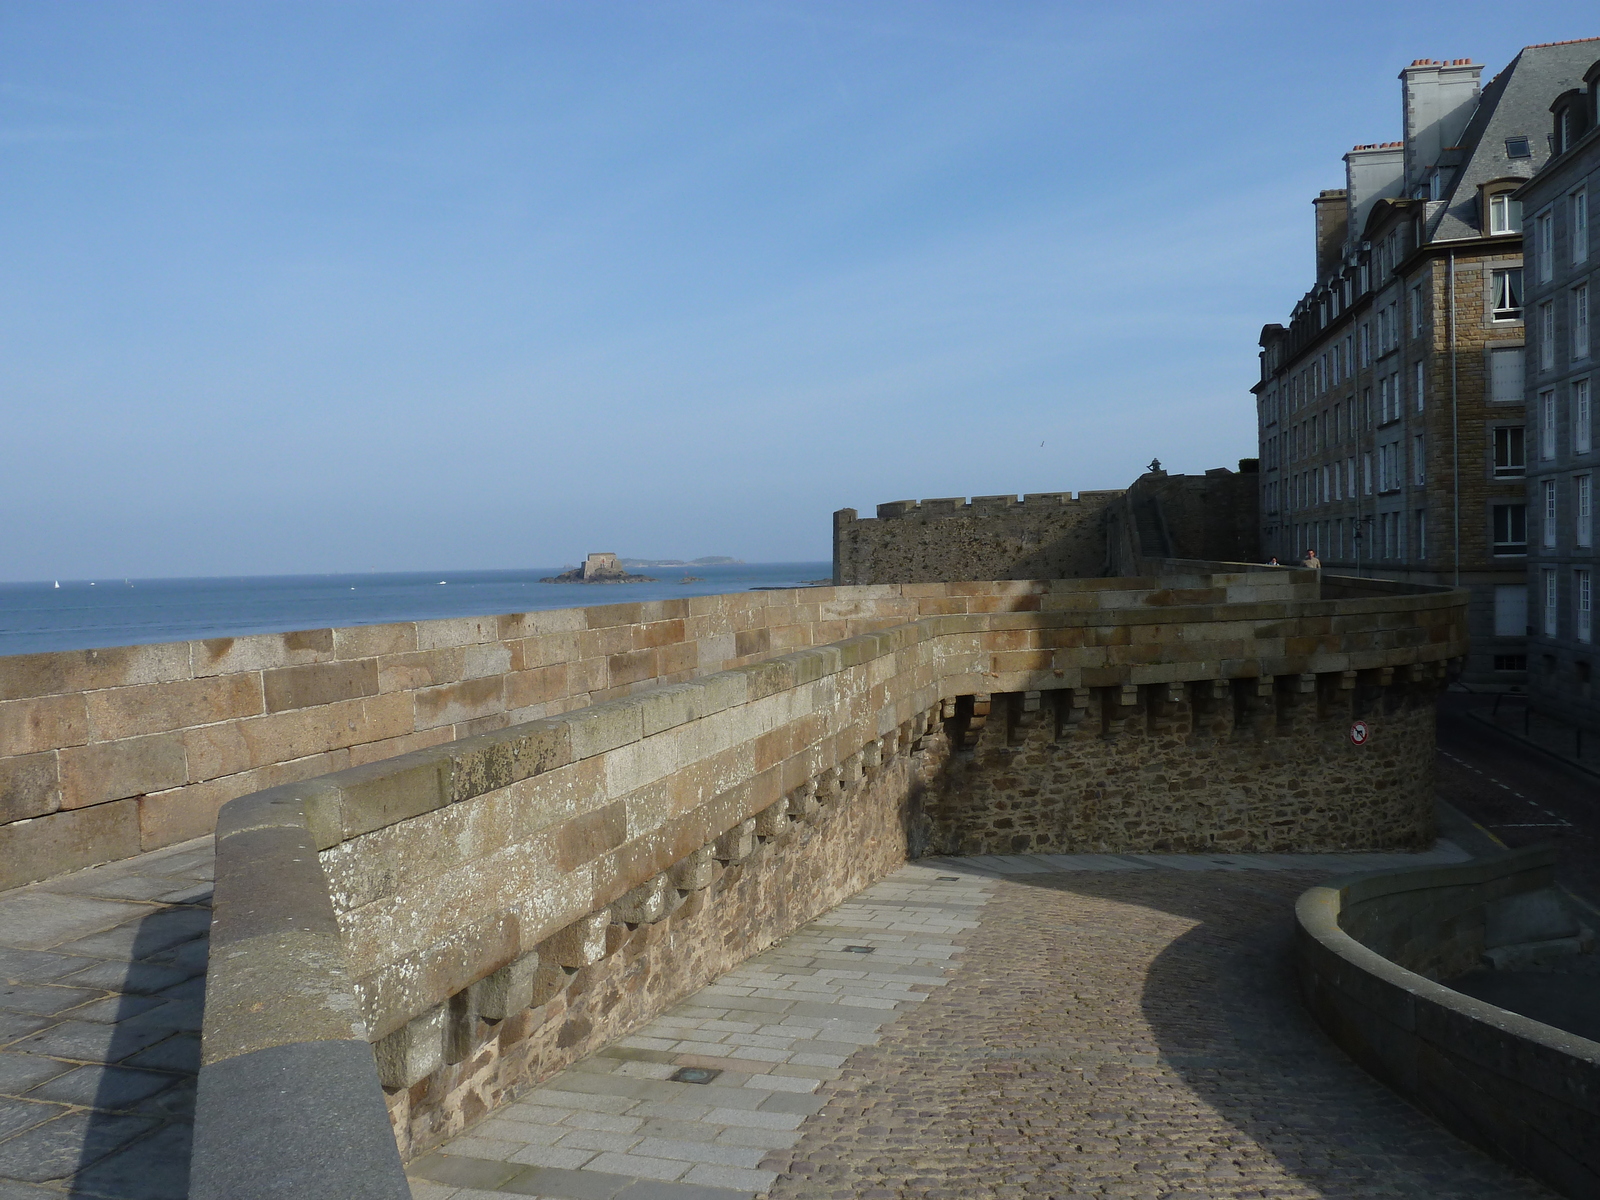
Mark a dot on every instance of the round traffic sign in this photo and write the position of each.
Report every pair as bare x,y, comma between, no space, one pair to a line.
1359,733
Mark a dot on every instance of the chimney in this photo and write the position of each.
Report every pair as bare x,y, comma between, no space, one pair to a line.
1333,220
1371,173
1438,99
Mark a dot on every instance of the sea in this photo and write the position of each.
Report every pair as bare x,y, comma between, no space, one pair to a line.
81,614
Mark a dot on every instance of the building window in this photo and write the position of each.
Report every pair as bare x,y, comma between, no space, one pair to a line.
1582,421
1416,384
1544,242
1506,375
1583,511
1511,610
1579,209
1583,604
1547,335
1419,461
1517,147
1510,529
1547,425
1416,311
1550,611
1549,530
1365,343
1505,214
1509,458
1422,533
1506,294
1366,473
1580,322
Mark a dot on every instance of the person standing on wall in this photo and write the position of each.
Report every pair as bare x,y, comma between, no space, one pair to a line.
1312,561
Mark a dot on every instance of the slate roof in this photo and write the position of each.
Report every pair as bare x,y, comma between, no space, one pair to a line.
1515,103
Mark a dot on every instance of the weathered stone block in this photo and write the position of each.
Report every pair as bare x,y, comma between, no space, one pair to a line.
578,944
414,1051
773,820
738,844
644,904
508,991
29,786
115,770
697,871
317,683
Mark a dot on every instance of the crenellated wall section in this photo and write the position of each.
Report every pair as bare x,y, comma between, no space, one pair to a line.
424,935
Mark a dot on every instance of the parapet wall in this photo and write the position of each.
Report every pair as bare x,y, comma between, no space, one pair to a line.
107,753
1369,950
1049,535
485,911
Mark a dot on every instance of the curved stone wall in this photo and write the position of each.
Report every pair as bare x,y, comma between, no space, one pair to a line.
1366,950
509,902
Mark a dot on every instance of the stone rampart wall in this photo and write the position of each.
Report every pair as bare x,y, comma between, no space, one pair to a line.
1051,535
1242,765
1523,1090
487,910
107,753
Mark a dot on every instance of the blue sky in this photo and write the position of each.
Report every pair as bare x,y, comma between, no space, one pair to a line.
319,287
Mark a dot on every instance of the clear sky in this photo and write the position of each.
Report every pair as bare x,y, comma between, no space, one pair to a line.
325,286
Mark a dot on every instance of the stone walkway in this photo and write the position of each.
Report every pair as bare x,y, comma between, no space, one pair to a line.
104,981
1055,1026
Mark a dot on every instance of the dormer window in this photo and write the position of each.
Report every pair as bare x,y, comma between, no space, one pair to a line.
1438,184
1517,147
1505,214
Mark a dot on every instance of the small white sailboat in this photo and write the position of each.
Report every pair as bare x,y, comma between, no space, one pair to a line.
58,583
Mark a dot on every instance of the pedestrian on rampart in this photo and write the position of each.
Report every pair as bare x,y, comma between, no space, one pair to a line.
1312,560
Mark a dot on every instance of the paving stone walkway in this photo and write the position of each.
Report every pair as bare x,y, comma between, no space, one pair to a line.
104,982
1056,1026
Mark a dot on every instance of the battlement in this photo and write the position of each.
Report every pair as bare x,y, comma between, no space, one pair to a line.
1042,535
959,506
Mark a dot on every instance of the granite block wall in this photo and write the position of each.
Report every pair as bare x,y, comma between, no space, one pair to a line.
1052,535
1240,766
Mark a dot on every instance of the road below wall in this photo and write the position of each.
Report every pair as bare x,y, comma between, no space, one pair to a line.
1518,794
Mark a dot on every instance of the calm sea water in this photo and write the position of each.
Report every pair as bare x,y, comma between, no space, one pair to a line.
81,614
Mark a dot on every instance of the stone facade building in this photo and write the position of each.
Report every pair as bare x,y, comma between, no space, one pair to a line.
1390,407
1561,453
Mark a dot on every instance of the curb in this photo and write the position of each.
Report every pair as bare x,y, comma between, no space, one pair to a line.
1553,756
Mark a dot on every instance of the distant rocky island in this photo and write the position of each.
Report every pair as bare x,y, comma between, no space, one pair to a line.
598,568
714,560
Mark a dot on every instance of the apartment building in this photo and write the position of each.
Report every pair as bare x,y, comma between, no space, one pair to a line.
1561,282
1390,407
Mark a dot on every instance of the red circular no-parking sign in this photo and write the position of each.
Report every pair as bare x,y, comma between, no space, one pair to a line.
1359,733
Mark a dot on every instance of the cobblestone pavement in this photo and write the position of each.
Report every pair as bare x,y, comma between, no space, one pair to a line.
1055,1025
104,981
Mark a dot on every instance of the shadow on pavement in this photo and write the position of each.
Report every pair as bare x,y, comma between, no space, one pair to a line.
138,1132
1222,1007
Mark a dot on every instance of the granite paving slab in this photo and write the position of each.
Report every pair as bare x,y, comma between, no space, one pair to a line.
1020,1025
102,977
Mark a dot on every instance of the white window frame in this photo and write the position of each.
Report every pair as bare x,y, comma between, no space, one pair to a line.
1548,532
1578,225
1502,293
1545,245
1583,605
1583,510
1578,301
1547,424
1547,335
1418,377
1551,598
1419,460
1505,214
1582,417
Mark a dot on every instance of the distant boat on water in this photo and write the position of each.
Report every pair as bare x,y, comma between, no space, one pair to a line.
58,583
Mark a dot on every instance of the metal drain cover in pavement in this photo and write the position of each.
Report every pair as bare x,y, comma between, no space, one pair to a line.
693,1075
949,879
858,949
